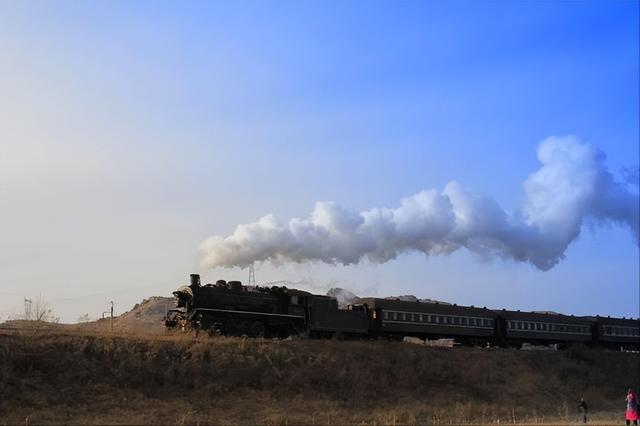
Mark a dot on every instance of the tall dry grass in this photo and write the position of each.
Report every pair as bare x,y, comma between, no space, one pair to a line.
177,379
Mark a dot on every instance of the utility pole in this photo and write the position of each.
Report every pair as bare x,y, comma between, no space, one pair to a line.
111,320
252,276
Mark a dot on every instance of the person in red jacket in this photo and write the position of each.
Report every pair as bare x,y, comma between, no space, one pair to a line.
632,414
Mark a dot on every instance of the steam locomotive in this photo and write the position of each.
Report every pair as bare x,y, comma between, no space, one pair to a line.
230,308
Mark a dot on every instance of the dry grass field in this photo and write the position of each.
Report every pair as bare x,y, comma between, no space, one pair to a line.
78,377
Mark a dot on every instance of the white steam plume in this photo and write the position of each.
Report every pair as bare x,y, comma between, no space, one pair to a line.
572,185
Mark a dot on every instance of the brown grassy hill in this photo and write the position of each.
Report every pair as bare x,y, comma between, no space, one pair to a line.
144,318
87,379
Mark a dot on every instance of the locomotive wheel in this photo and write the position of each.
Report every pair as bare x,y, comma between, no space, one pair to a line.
256,329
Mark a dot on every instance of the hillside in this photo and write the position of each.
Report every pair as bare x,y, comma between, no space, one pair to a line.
145,317
85,379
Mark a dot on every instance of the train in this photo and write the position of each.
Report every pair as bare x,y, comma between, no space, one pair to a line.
230,308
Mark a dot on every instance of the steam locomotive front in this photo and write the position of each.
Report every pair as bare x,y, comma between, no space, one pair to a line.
184,301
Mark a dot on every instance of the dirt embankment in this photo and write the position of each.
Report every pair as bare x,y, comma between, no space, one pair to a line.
48,378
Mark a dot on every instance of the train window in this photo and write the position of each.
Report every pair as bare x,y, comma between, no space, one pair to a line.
385,315
617,330
465,321
449,320
456,320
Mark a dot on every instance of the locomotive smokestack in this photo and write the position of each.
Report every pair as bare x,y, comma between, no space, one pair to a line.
195,280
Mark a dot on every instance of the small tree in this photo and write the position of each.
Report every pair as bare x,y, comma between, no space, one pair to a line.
84,318
38,311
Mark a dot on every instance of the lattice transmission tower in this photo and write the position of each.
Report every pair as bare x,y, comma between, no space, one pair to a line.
252,276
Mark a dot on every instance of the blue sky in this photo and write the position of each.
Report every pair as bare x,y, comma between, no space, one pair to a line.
132,131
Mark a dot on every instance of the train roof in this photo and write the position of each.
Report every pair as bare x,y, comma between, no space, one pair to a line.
437,308
615,321
545,317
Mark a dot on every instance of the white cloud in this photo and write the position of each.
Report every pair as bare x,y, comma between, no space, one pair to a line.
572,185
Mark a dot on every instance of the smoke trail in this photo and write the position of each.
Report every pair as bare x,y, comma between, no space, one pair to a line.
573,185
